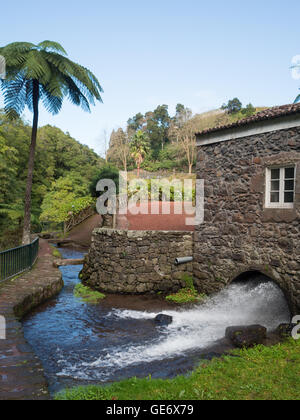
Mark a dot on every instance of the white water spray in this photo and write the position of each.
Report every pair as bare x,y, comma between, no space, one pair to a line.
239,304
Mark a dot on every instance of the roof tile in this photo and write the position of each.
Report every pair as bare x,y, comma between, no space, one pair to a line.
267,114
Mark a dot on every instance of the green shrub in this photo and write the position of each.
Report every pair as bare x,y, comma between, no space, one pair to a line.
188,294
161,190
189,282
56,253
87,295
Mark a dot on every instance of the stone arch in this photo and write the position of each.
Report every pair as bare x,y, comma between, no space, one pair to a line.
245,275
269,275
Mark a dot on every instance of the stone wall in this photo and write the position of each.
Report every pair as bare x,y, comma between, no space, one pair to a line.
137,262
239,234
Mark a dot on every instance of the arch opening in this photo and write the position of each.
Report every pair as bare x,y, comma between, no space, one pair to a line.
253,276
269,295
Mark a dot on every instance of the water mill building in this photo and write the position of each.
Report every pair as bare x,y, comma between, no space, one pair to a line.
251,171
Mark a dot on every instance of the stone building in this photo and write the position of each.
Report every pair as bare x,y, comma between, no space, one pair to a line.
251,171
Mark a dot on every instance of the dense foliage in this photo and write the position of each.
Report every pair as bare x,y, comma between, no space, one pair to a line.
42,73
87,295
171,140
188,294
106,172
60,160
139,148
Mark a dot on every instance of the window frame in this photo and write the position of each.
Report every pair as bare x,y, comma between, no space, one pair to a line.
281,204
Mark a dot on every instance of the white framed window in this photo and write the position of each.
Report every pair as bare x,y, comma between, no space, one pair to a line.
280,187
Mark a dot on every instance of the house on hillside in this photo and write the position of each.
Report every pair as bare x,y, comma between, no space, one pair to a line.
251,171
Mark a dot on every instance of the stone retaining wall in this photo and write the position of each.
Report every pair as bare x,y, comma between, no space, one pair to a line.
137,261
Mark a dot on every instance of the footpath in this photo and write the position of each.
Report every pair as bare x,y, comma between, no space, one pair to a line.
21,373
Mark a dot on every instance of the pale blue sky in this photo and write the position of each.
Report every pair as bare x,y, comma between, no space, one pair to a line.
164,52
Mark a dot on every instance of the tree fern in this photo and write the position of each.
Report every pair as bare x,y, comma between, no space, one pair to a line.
44,73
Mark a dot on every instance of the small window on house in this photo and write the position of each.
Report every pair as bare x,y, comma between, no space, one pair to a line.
280,191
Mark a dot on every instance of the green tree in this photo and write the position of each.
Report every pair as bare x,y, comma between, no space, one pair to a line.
233,106
249,110
43,73
137,122
157,128
106,172
8,171
68,196
139,148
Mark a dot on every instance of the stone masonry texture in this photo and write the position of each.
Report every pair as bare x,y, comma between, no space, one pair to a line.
137,262
239,234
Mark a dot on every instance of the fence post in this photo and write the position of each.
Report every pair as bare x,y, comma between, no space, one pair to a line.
30,255
17,260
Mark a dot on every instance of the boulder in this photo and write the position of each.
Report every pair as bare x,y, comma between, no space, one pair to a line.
285,330
163,320
246,336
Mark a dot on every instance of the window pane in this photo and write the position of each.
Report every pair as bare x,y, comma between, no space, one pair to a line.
289,197
289,173
275,185
275,197
275,173
289,186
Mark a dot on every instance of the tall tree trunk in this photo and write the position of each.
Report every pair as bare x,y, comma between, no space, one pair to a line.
27,208
125,162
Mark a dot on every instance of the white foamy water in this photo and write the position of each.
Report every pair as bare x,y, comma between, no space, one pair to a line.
197,328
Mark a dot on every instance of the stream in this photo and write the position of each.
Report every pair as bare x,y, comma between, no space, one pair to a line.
80,343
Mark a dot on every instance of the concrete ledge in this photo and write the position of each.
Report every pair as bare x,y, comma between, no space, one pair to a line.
64,263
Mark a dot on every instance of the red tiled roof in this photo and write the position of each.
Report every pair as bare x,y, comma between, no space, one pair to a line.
267,114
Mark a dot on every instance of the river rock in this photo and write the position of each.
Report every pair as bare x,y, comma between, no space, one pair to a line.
162,319
246,336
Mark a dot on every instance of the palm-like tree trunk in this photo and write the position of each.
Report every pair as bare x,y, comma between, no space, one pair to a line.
27,208
139,162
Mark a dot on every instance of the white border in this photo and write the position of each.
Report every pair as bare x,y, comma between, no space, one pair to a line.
281,204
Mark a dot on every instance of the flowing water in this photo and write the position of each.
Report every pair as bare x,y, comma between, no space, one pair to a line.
82,343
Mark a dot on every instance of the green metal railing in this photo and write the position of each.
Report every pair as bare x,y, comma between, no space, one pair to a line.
15,261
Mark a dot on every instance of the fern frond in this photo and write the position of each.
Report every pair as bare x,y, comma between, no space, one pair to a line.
52,45
57,76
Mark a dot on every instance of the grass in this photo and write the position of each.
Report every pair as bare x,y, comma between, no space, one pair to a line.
188,294
56,253
87,295
261,373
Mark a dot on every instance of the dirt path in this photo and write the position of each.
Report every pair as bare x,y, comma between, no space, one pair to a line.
21,373
81,235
